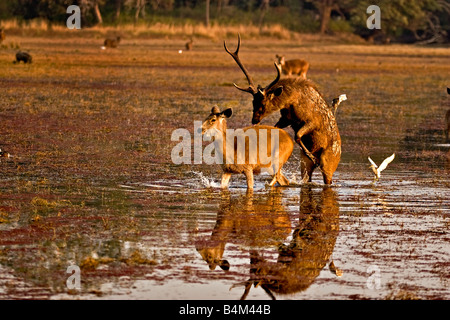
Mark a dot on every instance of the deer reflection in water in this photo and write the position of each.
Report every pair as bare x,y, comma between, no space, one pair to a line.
261,225
246,220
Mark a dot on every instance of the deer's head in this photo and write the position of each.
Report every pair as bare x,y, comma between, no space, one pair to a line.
281,59
265,100
213,256
216,120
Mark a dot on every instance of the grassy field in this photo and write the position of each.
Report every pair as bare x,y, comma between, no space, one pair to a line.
81,121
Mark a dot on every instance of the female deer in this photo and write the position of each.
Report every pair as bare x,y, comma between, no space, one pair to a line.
244,160
296,66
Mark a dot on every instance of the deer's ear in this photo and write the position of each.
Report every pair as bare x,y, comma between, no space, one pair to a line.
224,265
278,91
227,113
215,110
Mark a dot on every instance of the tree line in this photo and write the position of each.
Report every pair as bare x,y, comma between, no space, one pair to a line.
406,21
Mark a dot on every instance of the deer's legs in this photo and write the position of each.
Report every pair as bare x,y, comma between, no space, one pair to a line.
328,165
249,176
280,178
306,168
283,123
274,180
225,179
307,128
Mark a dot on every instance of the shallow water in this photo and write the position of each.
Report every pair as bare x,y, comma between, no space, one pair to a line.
397,226
389,238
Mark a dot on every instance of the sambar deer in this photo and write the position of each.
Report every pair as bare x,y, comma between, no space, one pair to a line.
278,152
309,115
23,56
298,67
248,221
189,44
286,120
447,122
310,249
112,42
258,225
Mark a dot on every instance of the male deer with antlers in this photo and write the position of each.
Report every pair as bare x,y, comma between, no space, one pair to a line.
309,115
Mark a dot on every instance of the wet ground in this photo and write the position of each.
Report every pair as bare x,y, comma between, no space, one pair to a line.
91,183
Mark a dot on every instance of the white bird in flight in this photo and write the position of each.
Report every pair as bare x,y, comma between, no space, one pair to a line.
377,169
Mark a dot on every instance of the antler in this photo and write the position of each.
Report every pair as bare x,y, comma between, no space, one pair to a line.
251,89
274,82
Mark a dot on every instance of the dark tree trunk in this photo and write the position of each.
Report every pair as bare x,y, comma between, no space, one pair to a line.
98,15
325,15
118,8
207,13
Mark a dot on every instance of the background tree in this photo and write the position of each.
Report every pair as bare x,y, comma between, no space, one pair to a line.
325,8
418,19
412,21
118,8
263,8
207,13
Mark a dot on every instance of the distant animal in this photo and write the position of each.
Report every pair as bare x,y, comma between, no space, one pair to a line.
243,163
112,42
447,122
189,44
309,115
293,67
377,169
2,35
23,56
4,154
337,101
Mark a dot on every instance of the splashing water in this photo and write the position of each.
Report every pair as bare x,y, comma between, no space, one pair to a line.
205,181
